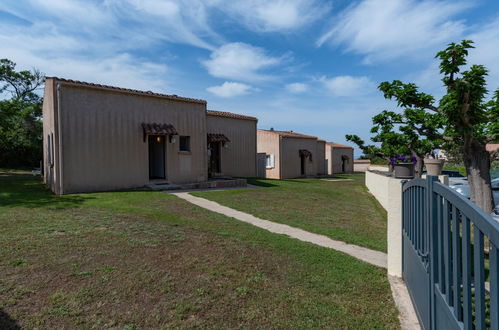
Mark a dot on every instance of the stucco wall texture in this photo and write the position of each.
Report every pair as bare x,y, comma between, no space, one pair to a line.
291,160
334,159
239,158
101,139
269,143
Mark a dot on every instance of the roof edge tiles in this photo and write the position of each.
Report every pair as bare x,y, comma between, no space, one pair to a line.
127,90
290,134
337,145
217,137
229,115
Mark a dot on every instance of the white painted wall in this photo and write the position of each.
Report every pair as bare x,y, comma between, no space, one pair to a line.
388,191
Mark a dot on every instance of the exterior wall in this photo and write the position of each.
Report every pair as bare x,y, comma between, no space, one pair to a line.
269,143
388,191
239,159
102,139
291,161
381,168
321,158
333,154
329,154
51,172
361,165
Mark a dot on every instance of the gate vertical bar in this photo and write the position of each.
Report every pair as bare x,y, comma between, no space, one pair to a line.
467,313
494,286
456,262
431,216
479,280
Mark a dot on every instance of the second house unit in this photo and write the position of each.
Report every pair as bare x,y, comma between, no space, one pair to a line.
290,155
231,141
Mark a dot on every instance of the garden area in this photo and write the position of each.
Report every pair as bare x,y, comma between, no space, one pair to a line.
143,259
340,208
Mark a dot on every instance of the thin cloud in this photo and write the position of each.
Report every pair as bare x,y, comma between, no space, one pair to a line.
349,85
274,16
382,30
240,61
296,88
230,89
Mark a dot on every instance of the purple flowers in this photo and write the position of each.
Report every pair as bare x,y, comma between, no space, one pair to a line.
398,159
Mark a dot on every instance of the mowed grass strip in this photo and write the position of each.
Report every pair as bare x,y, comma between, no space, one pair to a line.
342,210
148,260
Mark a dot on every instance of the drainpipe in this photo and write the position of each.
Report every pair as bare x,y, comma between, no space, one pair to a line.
59,138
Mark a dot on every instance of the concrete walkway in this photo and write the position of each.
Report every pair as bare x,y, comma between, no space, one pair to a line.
370,256
407,316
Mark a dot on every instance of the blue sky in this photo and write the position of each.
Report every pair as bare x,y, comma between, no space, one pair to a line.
311,66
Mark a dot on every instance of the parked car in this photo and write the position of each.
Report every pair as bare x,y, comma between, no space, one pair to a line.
464,189
495,214
454,177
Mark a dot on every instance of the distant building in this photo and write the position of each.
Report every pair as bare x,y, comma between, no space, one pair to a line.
361,165
290,155
339,158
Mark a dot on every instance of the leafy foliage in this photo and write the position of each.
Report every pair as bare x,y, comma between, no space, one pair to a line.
463,122
20,116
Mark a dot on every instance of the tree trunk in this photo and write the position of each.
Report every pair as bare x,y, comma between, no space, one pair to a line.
477,162
418,169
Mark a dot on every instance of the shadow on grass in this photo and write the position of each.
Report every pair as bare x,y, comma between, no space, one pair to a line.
261,182
23,190
6,322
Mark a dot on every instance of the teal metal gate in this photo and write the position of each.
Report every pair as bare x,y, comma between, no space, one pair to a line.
450,257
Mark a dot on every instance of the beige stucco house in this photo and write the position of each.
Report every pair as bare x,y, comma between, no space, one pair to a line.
99,138
290,154
231,144
339,158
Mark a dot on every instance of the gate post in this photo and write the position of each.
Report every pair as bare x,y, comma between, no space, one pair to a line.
431,221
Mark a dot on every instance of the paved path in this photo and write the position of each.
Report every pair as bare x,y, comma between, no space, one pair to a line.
407,316
370,256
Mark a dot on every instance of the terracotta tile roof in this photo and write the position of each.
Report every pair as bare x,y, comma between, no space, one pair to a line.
214,137
229,115
129,91
337,145
159,129
290,134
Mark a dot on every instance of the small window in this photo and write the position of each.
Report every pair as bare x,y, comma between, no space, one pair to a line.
185,143
269,161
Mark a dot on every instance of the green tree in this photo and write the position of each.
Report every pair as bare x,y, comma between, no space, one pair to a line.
470,121
20,116
403,133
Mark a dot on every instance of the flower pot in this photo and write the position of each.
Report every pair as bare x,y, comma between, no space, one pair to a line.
403,170
434,166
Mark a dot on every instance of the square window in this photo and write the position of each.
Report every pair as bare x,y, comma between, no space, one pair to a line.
269,161
185,143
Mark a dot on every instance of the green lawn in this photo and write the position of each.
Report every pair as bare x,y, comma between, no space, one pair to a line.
146,260
342,210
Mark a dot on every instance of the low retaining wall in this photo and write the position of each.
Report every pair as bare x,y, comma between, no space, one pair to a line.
388,191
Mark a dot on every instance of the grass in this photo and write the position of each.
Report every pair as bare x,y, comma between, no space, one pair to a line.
342,210
140,260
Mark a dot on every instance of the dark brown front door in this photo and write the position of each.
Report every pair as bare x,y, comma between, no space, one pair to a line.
156,157
214,161
303,163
